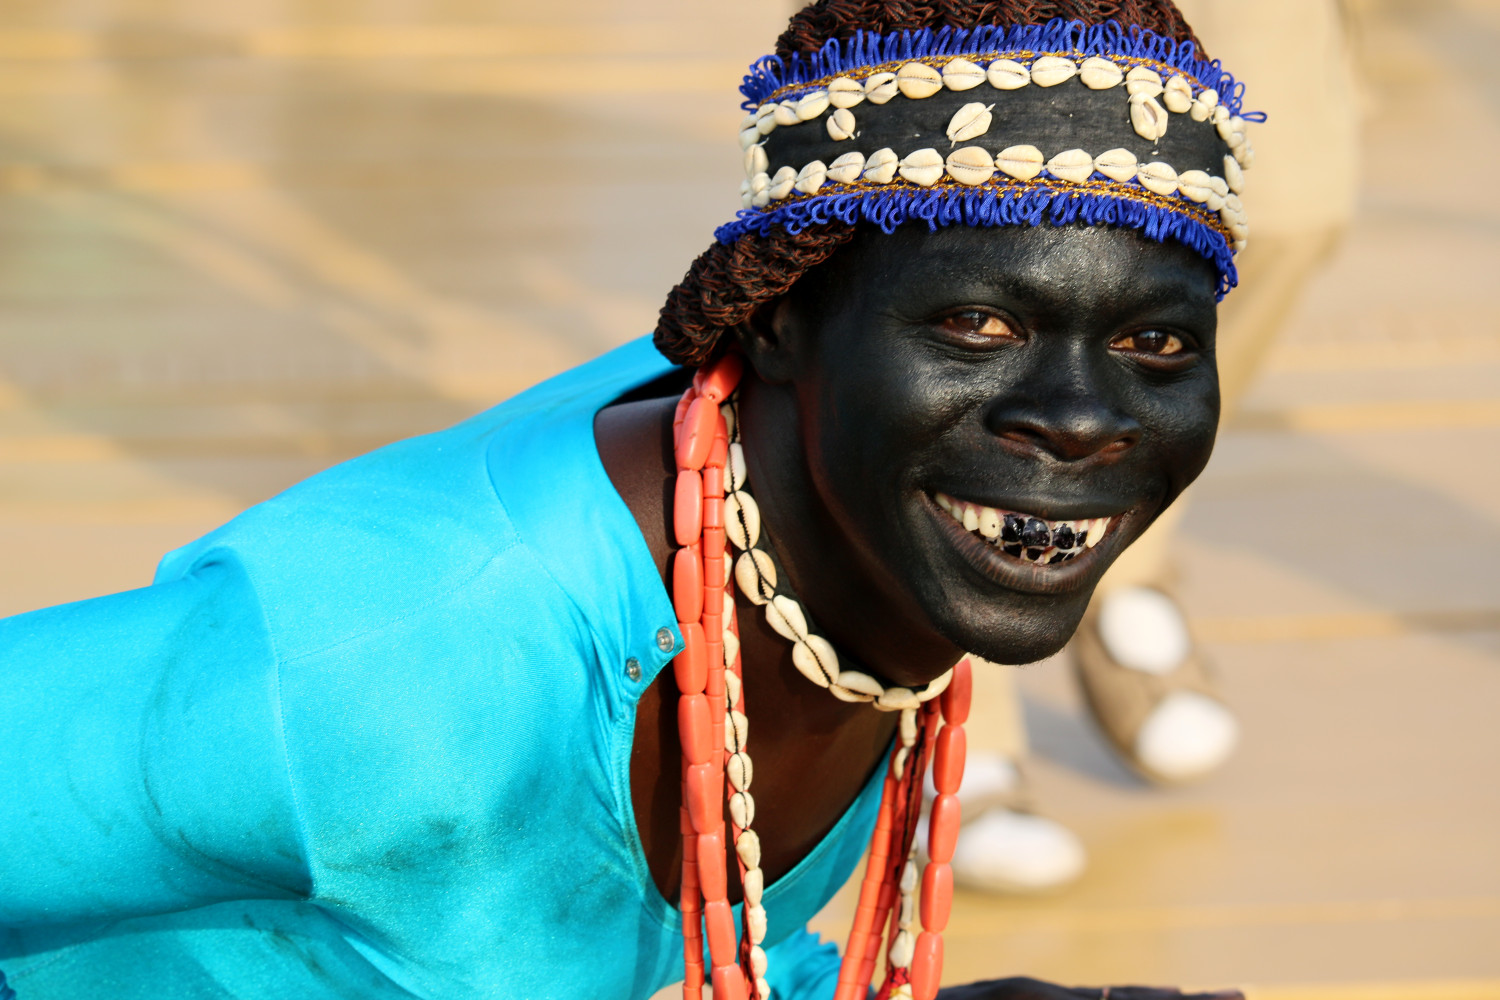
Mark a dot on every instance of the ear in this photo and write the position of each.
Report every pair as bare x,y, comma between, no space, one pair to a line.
769,338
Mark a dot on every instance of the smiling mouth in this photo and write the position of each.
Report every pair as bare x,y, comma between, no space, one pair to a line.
1027,537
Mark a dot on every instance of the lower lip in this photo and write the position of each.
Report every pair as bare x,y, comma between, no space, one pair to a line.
1020,574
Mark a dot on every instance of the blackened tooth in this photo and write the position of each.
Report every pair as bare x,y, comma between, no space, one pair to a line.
1064,537
1057,557
1036,534
1013,550
1011,530
1034,554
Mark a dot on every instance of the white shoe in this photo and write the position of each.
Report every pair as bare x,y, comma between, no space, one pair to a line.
1015,852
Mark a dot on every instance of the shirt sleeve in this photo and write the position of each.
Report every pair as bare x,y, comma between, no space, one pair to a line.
142,768
803,967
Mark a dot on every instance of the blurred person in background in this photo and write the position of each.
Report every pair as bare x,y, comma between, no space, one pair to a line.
1143,678
409,728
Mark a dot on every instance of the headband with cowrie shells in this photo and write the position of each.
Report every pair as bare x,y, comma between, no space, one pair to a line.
1018,125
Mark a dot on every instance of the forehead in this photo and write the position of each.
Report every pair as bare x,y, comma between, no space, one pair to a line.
1068,267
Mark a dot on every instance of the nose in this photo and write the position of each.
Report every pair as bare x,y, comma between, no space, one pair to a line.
1070,414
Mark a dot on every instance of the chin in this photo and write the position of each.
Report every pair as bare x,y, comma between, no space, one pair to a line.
1012,586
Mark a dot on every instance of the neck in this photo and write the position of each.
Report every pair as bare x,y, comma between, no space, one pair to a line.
849,593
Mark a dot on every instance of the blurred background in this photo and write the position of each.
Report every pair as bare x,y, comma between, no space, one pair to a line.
241,242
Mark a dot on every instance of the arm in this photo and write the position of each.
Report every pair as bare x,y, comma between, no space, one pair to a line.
141,760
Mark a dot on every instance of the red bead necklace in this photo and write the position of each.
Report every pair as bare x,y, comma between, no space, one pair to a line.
713,730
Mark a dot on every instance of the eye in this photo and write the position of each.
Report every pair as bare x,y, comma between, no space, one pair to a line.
1159,343
978,326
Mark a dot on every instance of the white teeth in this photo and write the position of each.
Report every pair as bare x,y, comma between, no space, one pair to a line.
989,523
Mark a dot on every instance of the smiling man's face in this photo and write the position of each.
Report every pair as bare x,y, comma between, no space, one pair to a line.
989,416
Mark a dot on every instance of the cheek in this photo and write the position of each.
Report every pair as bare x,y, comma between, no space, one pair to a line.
1183,420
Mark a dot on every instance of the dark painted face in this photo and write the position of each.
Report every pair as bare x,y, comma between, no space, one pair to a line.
1061,374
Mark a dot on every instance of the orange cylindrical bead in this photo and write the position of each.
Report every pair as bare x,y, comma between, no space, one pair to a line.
697,434
712,870
687,584
942,828
680,413
713,481
701,789
955,700
937,896
927,966
718,919
948,759
720,380
687,507
690,667
713,545
729,983
695,728
713,514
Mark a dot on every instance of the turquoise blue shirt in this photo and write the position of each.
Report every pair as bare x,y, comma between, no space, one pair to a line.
370,739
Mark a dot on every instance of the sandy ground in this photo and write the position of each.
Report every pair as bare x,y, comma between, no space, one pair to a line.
239,242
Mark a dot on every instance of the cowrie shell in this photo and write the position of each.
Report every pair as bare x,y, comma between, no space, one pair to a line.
755,575
1144,81
1234,176
1244,153
781,186
1021,162
757,955
845,93
786,114
1074,165
742,811
1178,95
1235,128
755,921
847,168
785,616
923,167
731,650
1148,117
749,121
746,198
918,80
741,773
897,699
812,105
908,729
844,694
970,121
749,137
881,87
1199,112
1117,164
898,768
755,161
961,74
1209,99
734,467
860,683
760,195
742,517
815,658
881,166
765,118
970,165
1156,176
1007,74
902,950
1194,185
736,732
936,687
1099,73
1049,71
841,125
809,179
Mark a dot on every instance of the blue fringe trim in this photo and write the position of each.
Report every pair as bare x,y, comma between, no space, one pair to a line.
1014,206
842,55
